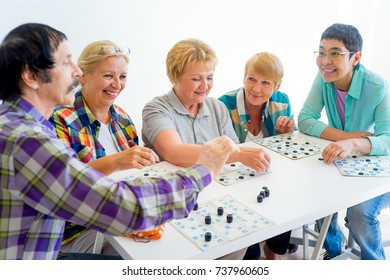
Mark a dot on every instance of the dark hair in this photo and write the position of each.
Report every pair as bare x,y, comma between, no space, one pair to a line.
345,33
28,46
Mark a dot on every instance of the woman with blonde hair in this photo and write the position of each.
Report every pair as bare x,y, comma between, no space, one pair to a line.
100,132
257,110
177,124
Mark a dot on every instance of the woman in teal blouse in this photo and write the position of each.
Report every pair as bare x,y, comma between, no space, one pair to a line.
357,104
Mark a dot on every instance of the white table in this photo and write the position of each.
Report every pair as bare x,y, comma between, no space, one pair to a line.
301,191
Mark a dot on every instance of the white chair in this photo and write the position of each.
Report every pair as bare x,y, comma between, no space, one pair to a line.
311,237
351,250
97,247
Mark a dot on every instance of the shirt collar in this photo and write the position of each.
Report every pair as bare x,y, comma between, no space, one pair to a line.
356,83
85,114
241,107
30,110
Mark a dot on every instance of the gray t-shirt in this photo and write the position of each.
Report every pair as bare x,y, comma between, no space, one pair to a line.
167,112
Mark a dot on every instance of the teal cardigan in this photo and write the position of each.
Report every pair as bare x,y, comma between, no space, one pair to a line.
367,108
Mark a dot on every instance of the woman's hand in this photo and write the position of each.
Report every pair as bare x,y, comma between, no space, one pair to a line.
255,158
284,124
135,157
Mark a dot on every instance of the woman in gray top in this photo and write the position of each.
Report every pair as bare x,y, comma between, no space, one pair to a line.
175,125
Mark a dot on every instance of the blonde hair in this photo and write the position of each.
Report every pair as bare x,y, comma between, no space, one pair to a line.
186,52
94,53
266,64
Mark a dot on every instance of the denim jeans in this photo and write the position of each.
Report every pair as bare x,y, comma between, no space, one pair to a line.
364,227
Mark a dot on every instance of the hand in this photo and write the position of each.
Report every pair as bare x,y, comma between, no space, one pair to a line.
135,157
214,153
255,158
339,150
284,124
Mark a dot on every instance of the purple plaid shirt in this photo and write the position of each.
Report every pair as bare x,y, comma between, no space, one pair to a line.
42,184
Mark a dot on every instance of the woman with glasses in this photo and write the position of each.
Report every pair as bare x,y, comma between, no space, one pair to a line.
357,105
258,110
101,133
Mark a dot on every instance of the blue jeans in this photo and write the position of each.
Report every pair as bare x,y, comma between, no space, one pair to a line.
364,227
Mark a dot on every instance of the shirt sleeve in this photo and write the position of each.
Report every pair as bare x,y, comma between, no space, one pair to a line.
380,142
223,115
308,118
58,121
156,117
52,181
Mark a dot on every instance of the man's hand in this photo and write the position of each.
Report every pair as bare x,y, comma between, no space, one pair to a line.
214,153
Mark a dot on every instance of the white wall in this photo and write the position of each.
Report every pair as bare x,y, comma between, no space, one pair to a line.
236,29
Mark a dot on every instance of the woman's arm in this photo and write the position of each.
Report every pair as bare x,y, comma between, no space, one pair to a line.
168,144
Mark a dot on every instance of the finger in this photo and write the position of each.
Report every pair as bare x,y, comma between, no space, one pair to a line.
266,164
263,167
155,156
330,157
149,156
280,122
143,161
286,120
326,155
267,157
137,165
341,155
326,158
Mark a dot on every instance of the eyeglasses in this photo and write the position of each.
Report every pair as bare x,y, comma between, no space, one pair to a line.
112,50
331,54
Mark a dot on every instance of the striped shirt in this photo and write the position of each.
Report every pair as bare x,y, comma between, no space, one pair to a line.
42,184
278,105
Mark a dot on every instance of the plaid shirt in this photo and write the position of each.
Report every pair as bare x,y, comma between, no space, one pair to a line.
79,129
42,184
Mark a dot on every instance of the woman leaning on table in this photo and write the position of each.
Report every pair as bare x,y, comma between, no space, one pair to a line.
357,105
177,124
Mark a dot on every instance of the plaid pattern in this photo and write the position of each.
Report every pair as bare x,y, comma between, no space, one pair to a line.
43,184
79,129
